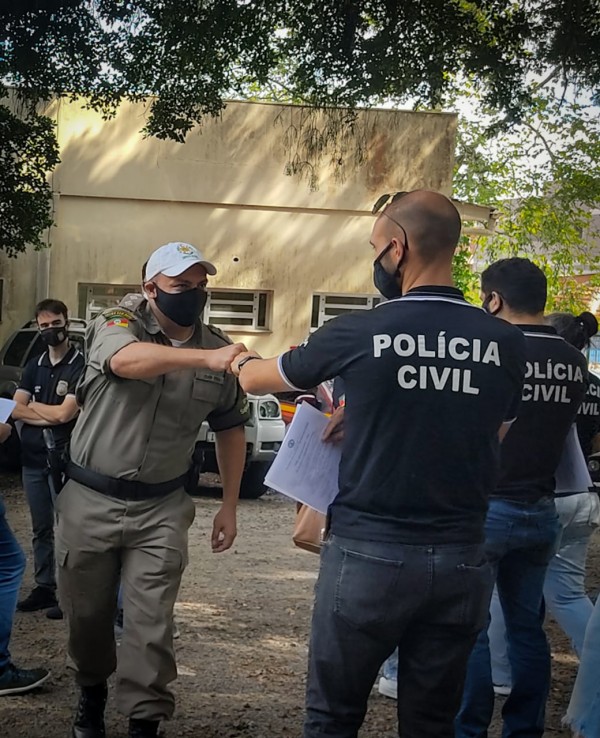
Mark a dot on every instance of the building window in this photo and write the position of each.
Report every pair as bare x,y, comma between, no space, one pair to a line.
94,298
326,307
241,310
238,310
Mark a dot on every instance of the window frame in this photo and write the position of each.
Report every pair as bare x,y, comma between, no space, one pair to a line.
261,302
83,291
319,305
211,311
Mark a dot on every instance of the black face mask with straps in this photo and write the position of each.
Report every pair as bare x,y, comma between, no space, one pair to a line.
486,304
55,335
183,308
385,282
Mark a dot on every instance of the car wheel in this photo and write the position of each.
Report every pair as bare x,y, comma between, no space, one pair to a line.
253,481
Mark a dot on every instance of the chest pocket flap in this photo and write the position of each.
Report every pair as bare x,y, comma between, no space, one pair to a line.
208,386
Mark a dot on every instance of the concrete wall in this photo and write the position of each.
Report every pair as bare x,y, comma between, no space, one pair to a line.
119,196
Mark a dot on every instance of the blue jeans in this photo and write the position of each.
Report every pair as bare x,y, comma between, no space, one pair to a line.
390,667
564,589
520,541
40,498
428,601
498,644
583,715
12,566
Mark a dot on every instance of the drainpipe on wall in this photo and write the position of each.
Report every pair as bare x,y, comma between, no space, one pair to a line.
42,281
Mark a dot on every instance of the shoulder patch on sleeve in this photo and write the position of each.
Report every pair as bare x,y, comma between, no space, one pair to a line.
116,314
218,332
118,323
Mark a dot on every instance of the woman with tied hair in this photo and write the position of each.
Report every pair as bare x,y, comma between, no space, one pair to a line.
583,714
579,513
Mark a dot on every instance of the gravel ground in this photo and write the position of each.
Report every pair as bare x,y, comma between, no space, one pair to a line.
244,622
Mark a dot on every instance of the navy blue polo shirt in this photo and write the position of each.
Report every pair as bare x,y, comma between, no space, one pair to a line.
556,380
588,418
429,379
50,384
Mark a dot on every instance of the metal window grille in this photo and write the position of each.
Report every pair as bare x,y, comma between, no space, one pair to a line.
227,309
326,307
94,298
238,309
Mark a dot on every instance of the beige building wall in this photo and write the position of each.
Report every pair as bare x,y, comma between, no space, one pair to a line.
119,196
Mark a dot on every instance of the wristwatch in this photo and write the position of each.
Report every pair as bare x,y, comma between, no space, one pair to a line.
245,360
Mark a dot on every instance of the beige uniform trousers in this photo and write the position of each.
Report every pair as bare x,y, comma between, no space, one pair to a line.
100,541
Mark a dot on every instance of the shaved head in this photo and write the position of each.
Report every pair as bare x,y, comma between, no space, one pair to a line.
430,220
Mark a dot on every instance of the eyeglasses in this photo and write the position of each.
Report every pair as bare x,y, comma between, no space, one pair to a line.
387,199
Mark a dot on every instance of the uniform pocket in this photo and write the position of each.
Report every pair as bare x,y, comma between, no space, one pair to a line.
206,393
62,557
365,589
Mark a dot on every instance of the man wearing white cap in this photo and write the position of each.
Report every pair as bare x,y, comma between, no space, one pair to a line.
154,373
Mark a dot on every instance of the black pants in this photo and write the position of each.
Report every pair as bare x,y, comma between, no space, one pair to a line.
430,602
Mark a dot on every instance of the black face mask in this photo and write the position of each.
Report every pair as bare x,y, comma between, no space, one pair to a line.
385,282
182,308
486,305
54,336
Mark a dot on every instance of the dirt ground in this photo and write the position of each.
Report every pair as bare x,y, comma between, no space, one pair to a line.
244,622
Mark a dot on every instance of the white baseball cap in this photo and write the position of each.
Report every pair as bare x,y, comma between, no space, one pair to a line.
173,259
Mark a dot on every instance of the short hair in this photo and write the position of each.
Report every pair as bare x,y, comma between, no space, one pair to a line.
57,307
431,222
521,284
575,329
145,264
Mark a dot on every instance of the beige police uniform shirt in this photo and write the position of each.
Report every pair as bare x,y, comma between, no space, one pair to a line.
146,429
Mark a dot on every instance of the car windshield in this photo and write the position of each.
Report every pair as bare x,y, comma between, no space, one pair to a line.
15,353
28,344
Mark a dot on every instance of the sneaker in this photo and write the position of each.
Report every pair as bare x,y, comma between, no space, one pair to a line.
502,690
19,681
54,613
41,598
388,688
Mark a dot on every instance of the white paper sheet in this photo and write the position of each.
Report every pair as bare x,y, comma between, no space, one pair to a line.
572,474
6,408
306,468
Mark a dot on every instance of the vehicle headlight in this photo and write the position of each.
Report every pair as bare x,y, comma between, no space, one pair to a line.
268,409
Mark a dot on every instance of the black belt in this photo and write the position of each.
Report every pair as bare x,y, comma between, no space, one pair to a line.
531,500
571,494
123,489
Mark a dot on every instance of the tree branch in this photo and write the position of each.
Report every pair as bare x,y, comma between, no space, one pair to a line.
551,153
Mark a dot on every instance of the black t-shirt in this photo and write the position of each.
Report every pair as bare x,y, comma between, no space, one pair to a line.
588,418
49,384
556,380
429,379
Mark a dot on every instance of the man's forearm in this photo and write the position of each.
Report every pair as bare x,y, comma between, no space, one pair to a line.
261,376
54,414
141,360
231,458
28,415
